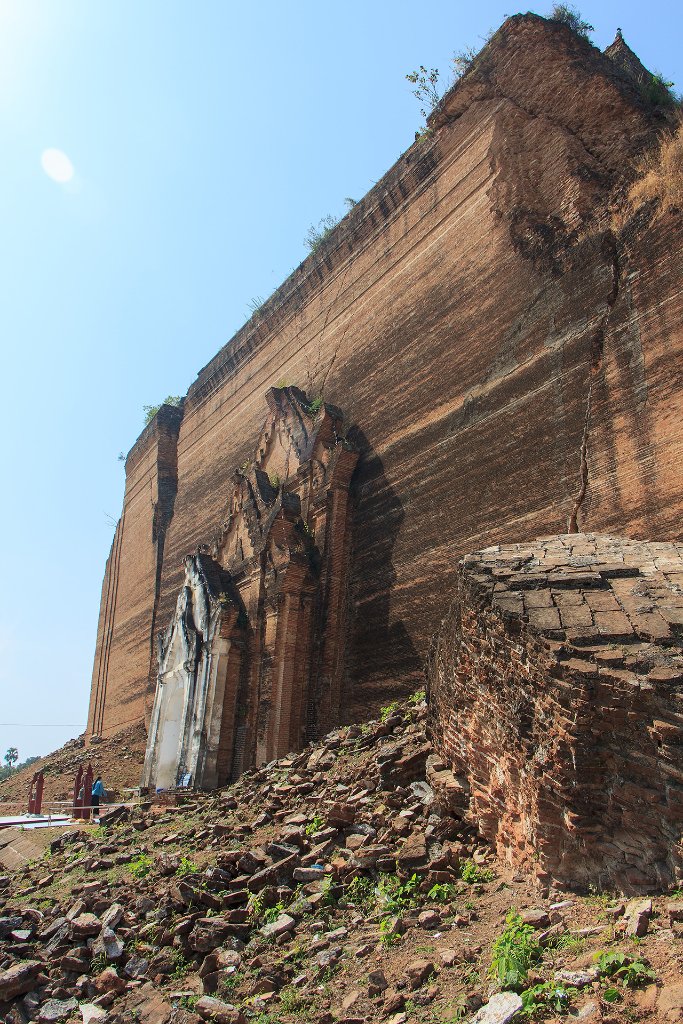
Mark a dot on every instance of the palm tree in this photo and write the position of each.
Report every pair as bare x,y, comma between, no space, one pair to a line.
11,757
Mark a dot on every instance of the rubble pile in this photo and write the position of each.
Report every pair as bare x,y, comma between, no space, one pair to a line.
328,886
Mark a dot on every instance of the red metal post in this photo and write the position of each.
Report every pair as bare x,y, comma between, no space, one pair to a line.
78,800
87,793
40,781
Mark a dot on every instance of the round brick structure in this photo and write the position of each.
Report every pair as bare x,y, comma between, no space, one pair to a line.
556,706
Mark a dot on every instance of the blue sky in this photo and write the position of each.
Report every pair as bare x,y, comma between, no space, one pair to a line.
205,138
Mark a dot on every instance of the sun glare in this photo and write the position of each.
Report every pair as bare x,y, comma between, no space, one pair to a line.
57,165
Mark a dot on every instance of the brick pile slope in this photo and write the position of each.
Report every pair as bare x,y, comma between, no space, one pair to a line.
328,887
557,700
117,759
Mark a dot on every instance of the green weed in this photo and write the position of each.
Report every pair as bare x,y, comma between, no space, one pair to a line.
231,983
186,867
180,965
315,825
631,973
471,873
360,892
388,934
514,952
395,896
292,1000
388,710
140,866
546,996
99,963
272,913
442,892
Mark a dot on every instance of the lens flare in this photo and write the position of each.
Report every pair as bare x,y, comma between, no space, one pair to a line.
57,165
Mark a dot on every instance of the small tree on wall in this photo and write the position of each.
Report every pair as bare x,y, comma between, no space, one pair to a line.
568,15
150,411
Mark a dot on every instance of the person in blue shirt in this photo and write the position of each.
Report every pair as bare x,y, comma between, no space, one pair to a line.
97,792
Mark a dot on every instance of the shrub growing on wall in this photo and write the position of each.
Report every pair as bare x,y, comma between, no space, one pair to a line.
568,15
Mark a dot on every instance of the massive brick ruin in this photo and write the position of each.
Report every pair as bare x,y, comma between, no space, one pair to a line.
556,702
511,365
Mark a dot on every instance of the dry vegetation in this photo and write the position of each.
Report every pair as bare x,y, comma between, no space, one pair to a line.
660,178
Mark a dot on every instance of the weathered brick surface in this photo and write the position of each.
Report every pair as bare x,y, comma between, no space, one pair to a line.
131,587
508,363
570,735
251,666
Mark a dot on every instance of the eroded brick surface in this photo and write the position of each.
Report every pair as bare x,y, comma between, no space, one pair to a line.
251,665
556,690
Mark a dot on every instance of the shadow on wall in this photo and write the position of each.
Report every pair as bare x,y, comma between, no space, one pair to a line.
383,662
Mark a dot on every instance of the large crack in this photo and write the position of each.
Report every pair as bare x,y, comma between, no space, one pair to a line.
316,371
496,93
573,521
596,361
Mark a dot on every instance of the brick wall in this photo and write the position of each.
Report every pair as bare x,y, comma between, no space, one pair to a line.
121,685
491,341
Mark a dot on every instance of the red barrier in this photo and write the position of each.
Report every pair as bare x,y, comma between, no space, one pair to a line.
35,794
87,793
78,799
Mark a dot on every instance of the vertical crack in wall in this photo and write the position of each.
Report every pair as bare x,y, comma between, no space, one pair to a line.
596,353
573,522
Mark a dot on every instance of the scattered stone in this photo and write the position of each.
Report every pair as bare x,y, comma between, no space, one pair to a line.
108,945
112,917
136,967
637,917
109,981
312,874
377,983
284,923
578,979
417,972
364,950
216,1010
537,918
55,1010
670,1002
349,999
18,979
328,957
148,1006
91,1013
85,925
449,957
8,924
413,853
499,1010
393,1001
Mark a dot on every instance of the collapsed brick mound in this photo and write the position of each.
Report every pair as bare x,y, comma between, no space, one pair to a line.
117,759
327,887
556,692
